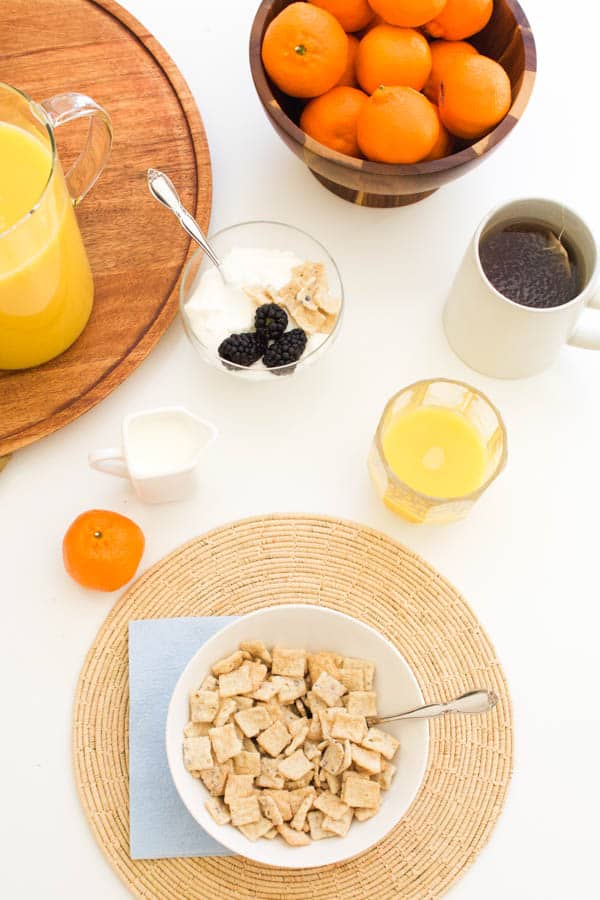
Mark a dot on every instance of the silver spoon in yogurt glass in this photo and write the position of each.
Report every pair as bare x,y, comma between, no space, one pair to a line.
472,704
162,189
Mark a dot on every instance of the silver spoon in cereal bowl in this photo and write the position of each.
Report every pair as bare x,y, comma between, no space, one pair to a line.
162,189
472,704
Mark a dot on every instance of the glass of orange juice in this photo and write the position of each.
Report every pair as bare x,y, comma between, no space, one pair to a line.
438,446
46,287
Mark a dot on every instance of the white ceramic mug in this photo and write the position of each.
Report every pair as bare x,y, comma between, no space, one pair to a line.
159,453
499,337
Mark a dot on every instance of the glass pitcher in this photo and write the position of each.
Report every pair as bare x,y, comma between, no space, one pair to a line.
46,287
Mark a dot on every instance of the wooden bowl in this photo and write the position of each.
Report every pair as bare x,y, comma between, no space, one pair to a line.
507,38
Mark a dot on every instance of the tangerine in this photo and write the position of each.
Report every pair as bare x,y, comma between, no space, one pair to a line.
348,78
460,19
474,96
304,50
408,13
397,125
444,144
442,52
102,549
393,57
353,15
331,119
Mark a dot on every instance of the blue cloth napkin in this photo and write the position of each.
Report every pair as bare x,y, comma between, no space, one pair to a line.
160,825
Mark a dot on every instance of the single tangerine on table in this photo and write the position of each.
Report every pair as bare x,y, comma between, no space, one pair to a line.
442,54
460,19
353,15
397,125
393,57
304,50
474,96
348,78
102,549
409,13
331,119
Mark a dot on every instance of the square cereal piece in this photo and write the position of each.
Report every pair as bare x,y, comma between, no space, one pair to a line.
363,814
244,810
288,662
328,689
292,837
196,754
218,810
258,673
226,710
381,742
266,691
282,799
327,718
303,782
254,720
204,706
298,740
269,774
299,818
238,786
295,766
210,683
315,823
333,783
247,763
357,674
197,729
237,682
359,791
258,649
256,830
362,703
330,805
290,689
347,727
298,795
274,739
225,742
314,703
275,708
333,758
339,826
270,809
215,779
384,779
323,662
368,760
228,663
315,731
243,702
347,756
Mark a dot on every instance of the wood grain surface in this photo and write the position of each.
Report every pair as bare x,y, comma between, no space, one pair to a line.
135,248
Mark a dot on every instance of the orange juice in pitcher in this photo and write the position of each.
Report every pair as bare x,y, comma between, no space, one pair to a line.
46,287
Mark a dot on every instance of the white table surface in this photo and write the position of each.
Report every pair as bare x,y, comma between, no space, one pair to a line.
526,559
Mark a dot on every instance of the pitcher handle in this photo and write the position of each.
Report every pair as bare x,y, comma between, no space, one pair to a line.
88,167
587,331
109,461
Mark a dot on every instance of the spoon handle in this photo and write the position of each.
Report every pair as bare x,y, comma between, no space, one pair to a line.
162,189
473,703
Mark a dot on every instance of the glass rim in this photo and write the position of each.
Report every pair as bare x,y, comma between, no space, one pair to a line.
463,498
235,366
42,117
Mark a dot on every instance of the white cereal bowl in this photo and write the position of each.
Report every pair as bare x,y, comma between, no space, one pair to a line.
314,628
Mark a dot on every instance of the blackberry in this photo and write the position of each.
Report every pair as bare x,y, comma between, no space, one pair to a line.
242,349
271,321
288,349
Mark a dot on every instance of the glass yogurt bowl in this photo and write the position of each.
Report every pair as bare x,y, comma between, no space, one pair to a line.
260,236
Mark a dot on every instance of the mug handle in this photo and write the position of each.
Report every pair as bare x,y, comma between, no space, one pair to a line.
90,163
587,331
110,461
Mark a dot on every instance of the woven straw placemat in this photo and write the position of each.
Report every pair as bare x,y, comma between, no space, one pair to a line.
285,559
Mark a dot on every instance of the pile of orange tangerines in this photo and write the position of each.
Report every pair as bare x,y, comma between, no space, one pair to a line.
394,81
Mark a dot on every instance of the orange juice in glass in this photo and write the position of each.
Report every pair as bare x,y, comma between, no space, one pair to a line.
438,447
46,286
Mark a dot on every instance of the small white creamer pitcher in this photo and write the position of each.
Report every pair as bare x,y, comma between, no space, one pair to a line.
159,453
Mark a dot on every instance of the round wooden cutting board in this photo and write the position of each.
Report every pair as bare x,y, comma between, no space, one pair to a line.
135,247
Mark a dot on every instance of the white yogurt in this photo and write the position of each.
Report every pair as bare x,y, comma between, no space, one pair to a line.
216,310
